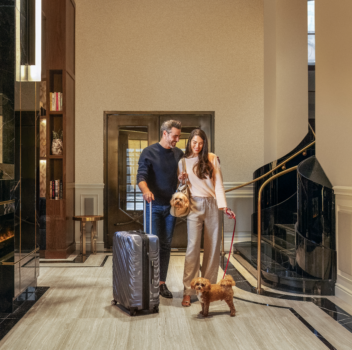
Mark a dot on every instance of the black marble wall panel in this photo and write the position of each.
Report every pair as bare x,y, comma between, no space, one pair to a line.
7,277
284,187
7,91
7,77
24,31
19,158
315,204
315,232
26,173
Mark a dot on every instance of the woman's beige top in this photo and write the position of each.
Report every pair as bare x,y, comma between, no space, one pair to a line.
213,187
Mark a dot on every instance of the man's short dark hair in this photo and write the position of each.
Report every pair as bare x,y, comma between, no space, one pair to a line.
169,124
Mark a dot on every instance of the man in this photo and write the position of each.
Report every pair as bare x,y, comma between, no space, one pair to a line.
157,179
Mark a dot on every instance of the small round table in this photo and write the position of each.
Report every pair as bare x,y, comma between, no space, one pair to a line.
83,219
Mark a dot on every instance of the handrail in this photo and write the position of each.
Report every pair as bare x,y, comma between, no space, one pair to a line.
16,262
259,269
7,202
311,129
272,170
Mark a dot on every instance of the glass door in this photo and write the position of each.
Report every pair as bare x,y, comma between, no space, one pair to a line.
127,136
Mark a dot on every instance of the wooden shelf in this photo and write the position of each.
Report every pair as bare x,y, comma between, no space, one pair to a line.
56,112
59,73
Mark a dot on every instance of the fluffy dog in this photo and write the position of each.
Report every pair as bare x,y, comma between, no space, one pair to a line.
179,203
207,293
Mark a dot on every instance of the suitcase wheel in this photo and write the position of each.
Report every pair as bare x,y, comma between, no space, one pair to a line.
113,302
156,309
133,312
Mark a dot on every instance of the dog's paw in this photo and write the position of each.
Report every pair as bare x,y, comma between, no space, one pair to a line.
233,313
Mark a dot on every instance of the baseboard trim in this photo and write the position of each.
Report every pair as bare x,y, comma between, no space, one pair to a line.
244,192
343,190
99,247
60,253
89,186
242,235
343,293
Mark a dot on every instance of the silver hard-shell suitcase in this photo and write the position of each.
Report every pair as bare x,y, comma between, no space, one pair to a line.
136,269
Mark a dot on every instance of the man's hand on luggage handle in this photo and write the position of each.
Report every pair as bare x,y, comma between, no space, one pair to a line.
148,196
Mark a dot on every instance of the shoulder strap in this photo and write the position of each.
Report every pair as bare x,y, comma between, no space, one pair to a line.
184,168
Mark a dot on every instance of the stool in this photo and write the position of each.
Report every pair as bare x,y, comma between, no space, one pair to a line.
83,219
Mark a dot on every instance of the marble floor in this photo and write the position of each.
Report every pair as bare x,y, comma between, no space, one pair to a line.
76,313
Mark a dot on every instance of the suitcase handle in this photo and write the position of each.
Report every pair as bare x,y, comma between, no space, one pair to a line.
145,216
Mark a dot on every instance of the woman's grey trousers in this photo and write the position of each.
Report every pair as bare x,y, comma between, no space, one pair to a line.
204,211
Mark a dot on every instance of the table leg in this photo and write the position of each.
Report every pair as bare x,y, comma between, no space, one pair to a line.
81,238
84,238
94,230
92,239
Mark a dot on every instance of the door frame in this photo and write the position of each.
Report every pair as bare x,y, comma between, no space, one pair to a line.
142,113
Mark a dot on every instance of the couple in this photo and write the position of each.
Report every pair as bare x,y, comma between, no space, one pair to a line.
160,167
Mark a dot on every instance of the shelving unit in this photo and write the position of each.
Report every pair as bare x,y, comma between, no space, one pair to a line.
60,70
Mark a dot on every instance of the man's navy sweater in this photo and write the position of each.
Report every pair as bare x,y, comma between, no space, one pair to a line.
158,168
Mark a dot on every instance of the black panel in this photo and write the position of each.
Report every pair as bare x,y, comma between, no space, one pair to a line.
26,173
315,234
7,106
18,163
27,32
298,241
284,187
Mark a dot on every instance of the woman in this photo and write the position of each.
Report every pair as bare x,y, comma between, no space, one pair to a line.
207,196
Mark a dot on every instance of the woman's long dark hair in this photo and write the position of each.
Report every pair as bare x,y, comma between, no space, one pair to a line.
203,167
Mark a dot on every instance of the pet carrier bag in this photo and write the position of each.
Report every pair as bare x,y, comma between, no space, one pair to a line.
183,188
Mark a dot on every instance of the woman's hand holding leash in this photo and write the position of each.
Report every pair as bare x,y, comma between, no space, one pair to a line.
230,213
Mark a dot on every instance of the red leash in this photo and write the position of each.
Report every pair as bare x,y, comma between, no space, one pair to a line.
232,216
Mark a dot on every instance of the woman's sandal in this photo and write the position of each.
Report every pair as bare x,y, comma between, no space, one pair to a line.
186,303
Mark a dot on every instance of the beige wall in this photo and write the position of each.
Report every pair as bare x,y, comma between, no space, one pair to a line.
165,55
334,89
334,123
286,76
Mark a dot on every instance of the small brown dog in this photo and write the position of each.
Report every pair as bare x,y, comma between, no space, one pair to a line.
179,204
207,293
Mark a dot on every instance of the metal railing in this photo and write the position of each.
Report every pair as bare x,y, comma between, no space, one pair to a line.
259,227
285,171
19,260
